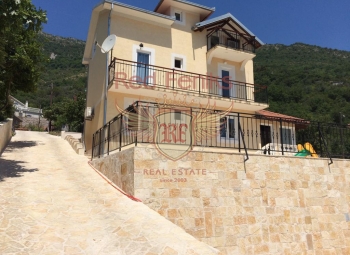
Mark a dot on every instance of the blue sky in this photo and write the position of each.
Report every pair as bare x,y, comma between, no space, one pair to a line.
325,23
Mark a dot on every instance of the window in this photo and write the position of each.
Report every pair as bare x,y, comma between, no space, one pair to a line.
178,115
231,127
287,136
132,123
142,72
233,43
178,16
265,135
227,128
178,63
214,40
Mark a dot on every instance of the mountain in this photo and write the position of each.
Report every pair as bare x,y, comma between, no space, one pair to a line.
63,69
305,81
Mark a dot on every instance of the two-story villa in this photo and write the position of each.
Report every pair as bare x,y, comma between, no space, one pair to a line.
188,77
174,117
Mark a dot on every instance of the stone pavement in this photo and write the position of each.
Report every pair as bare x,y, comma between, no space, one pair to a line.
52,202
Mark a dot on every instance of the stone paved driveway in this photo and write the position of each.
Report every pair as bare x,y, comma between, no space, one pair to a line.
52,202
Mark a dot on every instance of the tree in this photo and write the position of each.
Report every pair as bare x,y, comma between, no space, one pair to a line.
20,51
69,111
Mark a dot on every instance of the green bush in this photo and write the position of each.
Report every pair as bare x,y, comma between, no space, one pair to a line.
33,127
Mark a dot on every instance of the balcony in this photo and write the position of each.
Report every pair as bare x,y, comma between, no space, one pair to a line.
226,44
229,39
139,78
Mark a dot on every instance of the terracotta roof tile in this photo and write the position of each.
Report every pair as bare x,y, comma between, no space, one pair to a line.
275,115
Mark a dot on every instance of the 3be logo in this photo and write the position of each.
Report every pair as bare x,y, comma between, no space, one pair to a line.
173,128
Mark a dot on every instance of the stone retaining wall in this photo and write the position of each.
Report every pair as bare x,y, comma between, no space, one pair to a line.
119,168
5,134
268,205
32,121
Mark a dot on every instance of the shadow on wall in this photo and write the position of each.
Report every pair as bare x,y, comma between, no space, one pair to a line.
12,168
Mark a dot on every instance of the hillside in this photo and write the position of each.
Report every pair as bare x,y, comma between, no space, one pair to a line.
305,81
63,69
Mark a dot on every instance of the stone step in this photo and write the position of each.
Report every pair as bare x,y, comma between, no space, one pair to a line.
76,145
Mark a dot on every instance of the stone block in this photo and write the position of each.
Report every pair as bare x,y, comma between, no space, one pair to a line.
308,220
208,224
199,222
238,220
174,193
261,249
309,242
172,213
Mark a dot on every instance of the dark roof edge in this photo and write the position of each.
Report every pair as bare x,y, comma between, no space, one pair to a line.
223,17
212,9
136,9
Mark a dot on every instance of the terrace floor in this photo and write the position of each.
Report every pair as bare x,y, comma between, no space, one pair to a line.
53,202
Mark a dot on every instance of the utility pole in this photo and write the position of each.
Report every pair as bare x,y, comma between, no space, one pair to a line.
39,118
50,105
341,132
51,94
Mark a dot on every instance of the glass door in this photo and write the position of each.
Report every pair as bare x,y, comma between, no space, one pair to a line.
142,67
225,84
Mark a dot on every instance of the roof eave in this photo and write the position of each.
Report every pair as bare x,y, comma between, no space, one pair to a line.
139,9
211,9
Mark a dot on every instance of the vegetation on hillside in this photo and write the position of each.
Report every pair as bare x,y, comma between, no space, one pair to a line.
305,81
20,55
61,87
63,70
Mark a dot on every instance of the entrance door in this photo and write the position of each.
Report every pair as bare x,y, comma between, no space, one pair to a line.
265,134
142,67
225,85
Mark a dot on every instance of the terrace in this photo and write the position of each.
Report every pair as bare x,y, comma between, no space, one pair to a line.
195,128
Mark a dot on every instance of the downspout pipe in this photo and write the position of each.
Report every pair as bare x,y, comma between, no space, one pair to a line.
107,64
106,83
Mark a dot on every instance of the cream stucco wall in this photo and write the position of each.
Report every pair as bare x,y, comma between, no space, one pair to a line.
163,43
96,83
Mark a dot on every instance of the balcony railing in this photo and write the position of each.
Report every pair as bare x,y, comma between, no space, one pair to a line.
229,39
260,134
134,75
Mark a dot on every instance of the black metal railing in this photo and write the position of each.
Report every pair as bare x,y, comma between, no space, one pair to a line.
229,39
132,75
190,126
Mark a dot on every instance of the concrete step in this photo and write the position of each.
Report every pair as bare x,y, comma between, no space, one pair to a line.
77,146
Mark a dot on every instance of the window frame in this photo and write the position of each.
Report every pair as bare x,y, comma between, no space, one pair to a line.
228,129
181,63
182,20
175,56
179,15
293,141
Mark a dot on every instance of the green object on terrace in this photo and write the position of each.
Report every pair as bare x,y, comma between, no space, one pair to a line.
303,153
